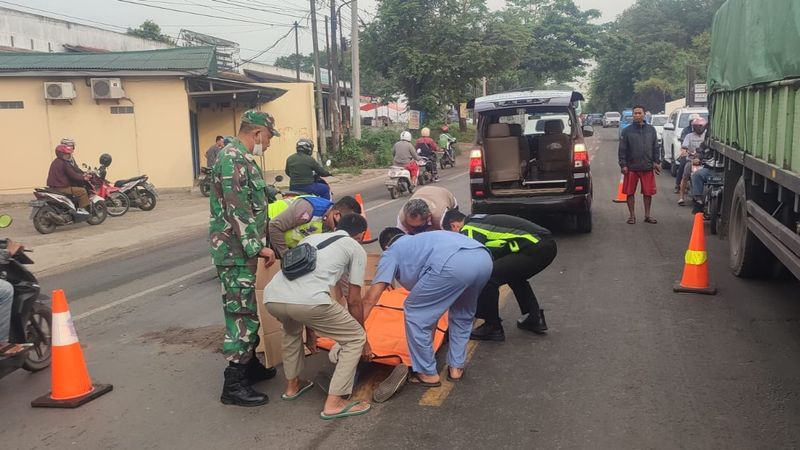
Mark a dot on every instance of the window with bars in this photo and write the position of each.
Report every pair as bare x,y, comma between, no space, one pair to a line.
122,110
12,105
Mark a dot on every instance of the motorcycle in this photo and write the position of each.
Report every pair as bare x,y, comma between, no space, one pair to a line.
427,171
273,191
53,209
399,182
204,181
29,342
141,193
117,203
318,179
447,157
712,194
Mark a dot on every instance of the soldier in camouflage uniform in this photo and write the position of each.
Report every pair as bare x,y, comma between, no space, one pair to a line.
238,232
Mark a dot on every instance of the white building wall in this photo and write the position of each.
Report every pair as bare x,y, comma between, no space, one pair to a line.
44,34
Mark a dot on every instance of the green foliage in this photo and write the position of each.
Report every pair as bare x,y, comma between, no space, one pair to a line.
150,30
645,53
373,150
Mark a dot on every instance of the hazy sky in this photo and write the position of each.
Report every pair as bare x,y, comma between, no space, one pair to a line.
252,37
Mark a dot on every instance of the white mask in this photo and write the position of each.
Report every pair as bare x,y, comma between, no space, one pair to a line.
258,149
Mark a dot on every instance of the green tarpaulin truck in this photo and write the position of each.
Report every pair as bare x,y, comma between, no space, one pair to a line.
754,85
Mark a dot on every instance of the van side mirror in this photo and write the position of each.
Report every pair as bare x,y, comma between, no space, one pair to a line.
588,131
669,126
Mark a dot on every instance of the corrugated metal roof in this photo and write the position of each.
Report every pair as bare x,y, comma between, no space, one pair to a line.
190,60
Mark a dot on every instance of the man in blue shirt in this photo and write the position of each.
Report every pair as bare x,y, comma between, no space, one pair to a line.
443,271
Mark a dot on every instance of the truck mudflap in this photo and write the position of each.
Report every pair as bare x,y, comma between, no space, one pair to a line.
775,236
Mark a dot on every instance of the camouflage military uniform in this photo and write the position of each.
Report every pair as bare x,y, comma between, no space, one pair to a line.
238,230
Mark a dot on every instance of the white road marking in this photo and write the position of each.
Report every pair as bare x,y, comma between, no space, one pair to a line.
124,300
381,205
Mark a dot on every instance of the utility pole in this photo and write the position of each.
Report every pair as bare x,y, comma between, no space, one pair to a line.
341,61
297,49
318,81
484,86
355,83
328,49
335,108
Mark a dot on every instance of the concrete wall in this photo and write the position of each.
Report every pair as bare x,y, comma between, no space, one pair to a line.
49,35
154,140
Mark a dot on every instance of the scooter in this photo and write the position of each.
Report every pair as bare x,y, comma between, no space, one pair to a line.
141,193
399,181
318,179
204,181
53,209
117,203
29,342
448,156
427,171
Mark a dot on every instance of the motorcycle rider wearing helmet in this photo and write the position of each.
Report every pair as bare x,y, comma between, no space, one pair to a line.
445,138
69,142
405,155
65,178
8,249
428,149
302,168
691,145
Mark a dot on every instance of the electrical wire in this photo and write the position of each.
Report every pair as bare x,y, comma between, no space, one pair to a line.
248,7
266,24
259,54
64,15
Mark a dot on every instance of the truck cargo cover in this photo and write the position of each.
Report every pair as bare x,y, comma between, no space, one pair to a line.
754,41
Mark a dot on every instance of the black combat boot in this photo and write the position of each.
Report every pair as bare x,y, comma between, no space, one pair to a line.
535,323
488,332
255,371
237,390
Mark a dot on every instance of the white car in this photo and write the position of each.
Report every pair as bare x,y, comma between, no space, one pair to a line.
611,119
671,144
658,121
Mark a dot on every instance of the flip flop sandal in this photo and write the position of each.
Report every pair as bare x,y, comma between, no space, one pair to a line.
299,393
650,220
416,380
345,412
456,380
631,221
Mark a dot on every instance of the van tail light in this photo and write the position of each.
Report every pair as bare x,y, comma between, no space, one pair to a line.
475,162
580,158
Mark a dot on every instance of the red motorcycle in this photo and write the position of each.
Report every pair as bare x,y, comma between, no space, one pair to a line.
117,203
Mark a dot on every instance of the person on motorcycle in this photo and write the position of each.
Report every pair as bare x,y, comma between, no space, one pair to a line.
8,249
69,142
405,155
705,158
302,170
290,221
682,158
65,178
428,148
445,140
689,148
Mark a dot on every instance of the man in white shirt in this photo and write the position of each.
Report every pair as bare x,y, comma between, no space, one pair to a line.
306,302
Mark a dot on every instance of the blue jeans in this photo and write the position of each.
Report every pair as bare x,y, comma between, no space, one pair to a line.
6,301
318,189
699,179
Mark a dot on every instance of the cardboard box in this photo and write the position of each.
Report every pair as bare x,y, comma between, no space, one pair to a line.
271,331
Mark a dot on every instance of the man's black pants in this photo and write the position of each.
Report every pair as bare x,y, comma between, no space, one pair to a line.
515,270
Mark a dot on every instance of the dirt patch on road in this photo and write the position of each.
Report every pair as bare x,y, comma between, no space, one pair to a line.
206,338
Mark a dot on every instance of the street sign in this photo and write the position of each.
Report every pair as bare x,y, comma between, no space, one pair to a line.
700,88
700,97
413,120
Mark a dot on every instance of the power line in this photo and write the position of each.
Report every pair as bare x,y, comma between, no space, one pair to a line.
207,15
265,50
250,7
63,15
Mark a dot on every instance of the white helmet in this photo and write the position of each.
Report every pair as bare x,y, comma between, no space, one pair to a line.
405,136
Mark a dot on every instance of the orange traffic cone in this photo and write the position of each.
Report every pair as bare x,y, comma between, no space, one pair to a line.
367,235
71,385
695,270
621,197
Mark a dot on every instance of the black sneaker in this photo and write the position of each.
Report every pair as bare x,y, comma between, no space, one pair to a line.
536,323
488,332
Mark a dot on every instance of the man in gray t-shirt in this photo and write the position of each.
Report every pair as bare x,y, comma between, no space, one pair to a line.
213,151
689,147
305,302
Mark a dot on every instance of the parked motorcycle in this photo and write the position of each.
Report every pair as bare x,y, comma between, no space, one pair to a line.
447,157
712,194
53,209
117,203
141,193
29,343
204,181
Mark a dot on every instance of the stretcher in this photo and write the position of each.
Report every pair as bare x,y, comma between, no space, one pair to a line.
386,331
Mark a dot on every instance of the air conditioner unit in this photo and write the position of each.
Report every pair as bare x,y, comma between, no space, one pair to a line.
107,88
59,91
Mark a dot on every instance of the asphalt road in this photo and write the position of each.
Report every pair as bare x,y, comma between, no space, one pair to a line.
627,363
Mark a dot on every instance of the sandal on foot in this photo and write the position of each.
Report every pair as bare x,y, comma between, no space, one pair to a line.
345,412
415,379
650,220
631,220
309,385
681,202
453,379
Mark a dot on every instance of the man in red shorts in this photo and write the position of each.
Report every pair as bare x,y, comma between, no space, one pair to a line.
639,160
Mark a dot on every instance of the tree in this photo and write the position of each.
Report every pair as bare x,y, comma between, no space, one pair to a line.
150,30
435,51
290,62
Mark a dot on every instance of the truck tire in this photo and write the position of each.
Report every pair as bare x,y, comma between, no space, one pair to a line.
749,258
